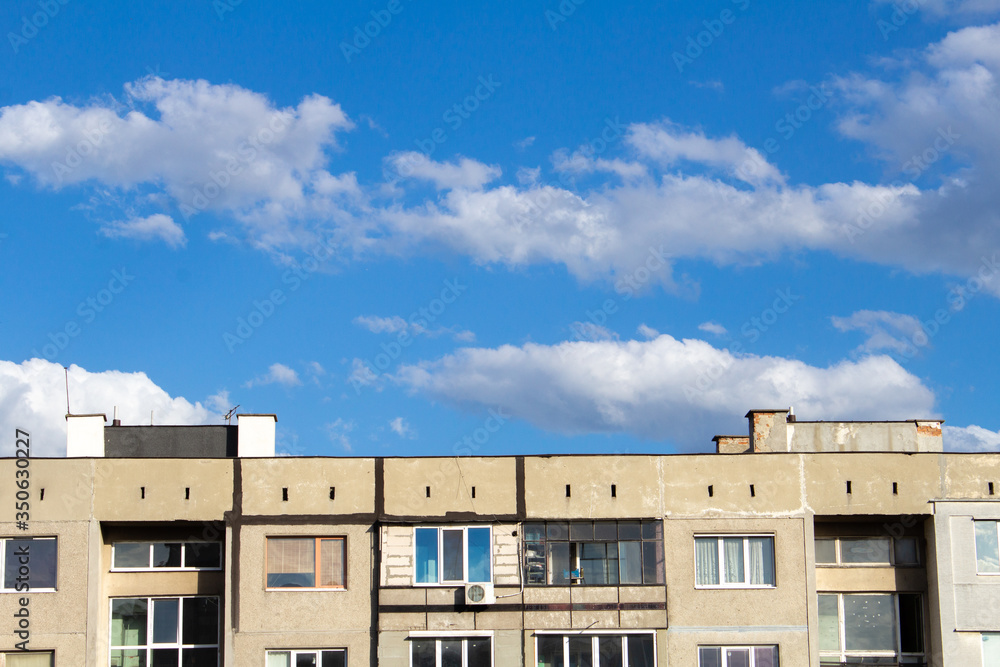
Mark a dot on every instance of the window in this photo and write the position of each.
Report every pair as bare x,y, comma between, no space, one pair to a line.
593,553
451,652
453,555
596,650
851,551
738,656
306,562
26,659
734,561
29,564
132,556
871,625
310,658
991,649
987,551
164,632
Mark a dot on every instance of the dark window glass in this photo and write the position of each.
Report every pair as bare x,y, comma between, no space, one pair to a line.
911,624
424,653
609,650
451,653
165,614
202,554
534,532
652,530
550,651
629,530
580,650
40,555
737,657
337,659
131,554
766,656
163,657
559,563
640,651
557,530
479,652
581,531
454,555
710,656
200,657
167,555
652,562
630,562
605,531
305,660
201,621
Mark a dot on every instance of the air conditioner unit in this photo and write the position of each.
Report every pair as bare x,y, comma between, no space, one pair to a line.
479,594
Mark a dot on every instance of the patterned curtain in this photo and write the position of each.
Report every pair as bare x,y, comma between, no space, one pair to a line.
706,560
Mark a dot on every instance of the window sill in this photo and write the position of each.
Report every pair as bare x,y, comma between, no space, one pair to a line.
725,587
165,569
455,584
296,589
31,591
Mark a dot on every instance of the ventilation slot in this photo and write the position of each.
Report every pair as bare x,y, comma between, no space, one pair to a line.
41,496
187,493
567,490
711,491
895,488
991,488
848,487
752,492
284,493
427,491
614,491
473,492
333,493
142,492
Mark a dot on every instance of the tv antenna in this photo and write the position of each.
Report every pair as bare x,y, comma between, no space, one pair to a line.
229,415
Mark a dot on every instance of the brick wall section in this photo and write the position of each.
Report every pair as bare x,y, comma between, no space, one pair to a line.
506,564
397,555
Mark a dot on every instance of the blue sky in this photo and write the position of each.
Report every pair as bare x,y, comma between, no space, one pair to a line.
526,227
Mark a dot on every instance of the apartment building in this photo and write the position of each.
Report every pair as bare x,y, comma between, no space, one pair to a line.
801,543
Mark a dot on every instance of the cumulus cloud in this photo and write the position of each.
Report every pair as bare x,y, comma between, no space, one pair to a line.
33,398
885,330
970,439
463,174
276,374
397,325
156,226
681,391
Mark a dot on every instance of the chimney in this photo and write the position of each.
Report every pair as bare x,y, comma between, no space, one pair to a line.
255,435
115,421
85,435
769,430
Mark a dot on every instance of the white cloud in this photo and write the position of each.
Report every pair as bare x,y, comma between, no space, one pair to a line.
156,226
885,330
396,324
647,331
402,428
276,374
682,391
940,8
713,328
970,439
339,432
525,143
33,398
464,174
219,402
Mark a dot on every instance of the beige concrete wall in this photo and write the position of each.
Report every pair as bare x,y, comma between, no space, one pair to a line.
636,479
118,495
308,481
303,619
451,481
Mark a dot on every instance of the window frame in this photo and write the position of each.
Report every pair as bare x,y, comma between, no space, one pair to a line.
901,657
776,654
838,551
996,530
3,565
595,636
317,543
465,556
294,652
581,579
719,537
450,635
179,645
153,568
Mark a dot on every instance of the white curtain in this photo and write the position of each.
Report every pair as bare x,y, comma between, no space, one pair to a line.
706,560
279,659
762,561
733,548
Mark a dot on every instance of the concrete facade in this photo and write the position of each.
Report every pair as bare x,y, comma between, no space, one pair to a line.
784,499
